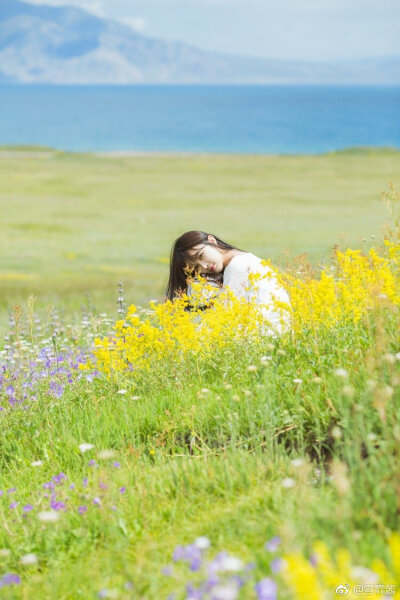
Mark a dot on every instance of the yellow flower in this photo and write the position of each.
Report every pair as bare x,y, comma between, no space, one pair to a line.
344,292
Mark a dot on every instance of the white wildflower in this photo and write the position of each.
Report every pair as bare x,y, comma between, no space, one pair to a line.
389,358
29,559
105,454
336,432
364,575
85,447
288,482
231,564
387,392
202,543
348,391
341,373
228,591
48,516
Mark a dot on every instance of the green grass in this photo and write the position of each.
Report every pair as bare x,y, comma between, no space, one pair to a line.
206,454
77,224
204,445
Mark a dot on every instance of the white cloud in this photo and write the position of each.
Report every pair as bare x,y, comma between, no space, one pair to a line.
136,23
306,29
96,7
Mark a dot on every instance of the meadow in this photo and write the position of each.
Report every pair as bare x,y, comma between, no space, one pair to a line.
190,457
74,225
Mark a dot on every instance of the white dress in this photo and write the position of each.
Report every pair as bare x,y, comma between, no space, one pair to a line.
264,291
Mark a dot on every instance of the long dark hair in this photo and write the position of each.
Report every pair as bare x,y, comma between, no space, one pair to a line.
180,260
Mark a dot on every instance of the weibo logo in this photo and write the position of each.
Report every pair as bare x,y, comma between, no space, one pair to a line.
343,590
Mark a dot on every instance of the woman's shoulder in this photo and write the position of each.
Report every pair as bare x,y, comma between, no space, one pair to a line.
240,267
243,261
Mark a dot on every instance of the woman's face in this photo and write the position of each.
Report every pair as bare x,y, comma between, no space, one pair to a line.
207,257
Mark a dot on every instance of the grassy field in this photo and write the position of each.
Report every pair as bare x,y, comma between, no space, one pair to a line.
106,482
73,225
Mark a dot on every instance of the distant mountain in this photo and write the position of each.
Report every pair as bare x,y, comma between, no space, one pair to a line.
66,45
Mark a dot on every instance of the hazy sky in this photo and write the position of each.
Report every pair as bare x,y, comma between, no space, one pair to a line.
303,29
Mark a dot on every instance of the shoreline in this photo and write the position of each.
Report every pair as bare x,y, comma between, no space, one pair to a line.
26,151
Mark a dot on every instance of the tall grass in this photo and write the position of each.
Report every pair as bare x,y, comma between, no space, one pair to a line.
296,436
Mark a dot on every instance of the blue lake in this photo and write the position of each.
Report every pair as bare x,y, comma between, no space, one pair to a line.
237,119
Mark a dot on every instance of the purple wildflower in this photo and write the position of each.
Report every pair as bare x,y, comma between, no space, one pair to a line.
92,463
193,593
9,579
11,490
49,485
215,564
82,509
276,565
116,465
97,501
266,589
56,505
85,482
56,389
212,580
313,560
13,505
59,478
122,490
195,562
190,554
273,543
178,554
28,508
240,581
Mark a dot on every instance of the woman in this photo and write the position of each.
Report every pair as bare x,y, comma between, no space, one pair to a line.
227,266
